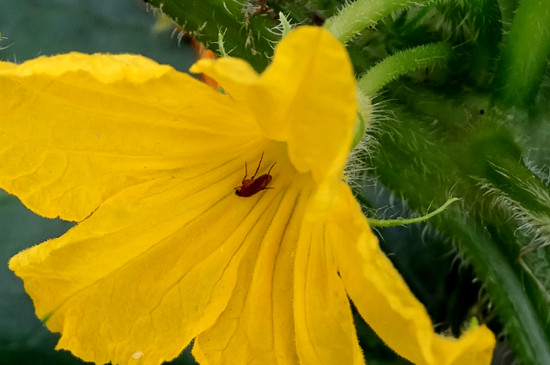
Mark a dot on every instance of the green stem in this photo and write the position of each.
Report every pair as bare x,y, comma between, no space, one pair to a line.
525,55
361,14
400,63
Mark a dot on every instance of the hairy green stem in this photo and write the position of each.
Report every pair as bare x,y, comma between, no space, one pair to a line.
362,14
525,55
400,63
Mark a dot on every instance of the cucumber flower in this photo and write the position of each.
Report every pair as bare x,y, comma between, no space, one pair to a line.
177,239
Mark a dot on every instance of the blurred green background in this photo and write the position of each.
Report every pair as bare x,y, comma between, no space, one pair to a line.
439,278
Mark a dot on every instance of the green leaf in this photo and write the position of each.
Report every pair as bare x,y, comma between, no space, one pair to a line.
249,30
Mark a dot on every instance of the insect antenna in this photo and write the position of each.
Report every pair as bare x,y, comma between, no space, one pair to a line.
257,168
271,167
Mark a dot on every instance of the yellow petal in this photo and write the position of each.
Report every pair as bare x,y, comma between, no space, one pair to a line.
306,97
289,305
475,346
235,76
258,325
386,303
81,128
148,271
325,332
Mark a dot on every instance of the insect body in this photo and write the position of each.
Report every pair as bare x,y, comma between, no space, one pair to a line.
255,184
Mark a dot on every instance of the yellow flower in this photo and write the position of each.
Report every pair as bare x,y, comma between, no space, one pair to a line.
146,159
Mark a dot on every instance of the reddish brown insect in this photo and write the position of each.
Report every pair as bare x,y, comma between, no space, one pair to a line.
255,184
